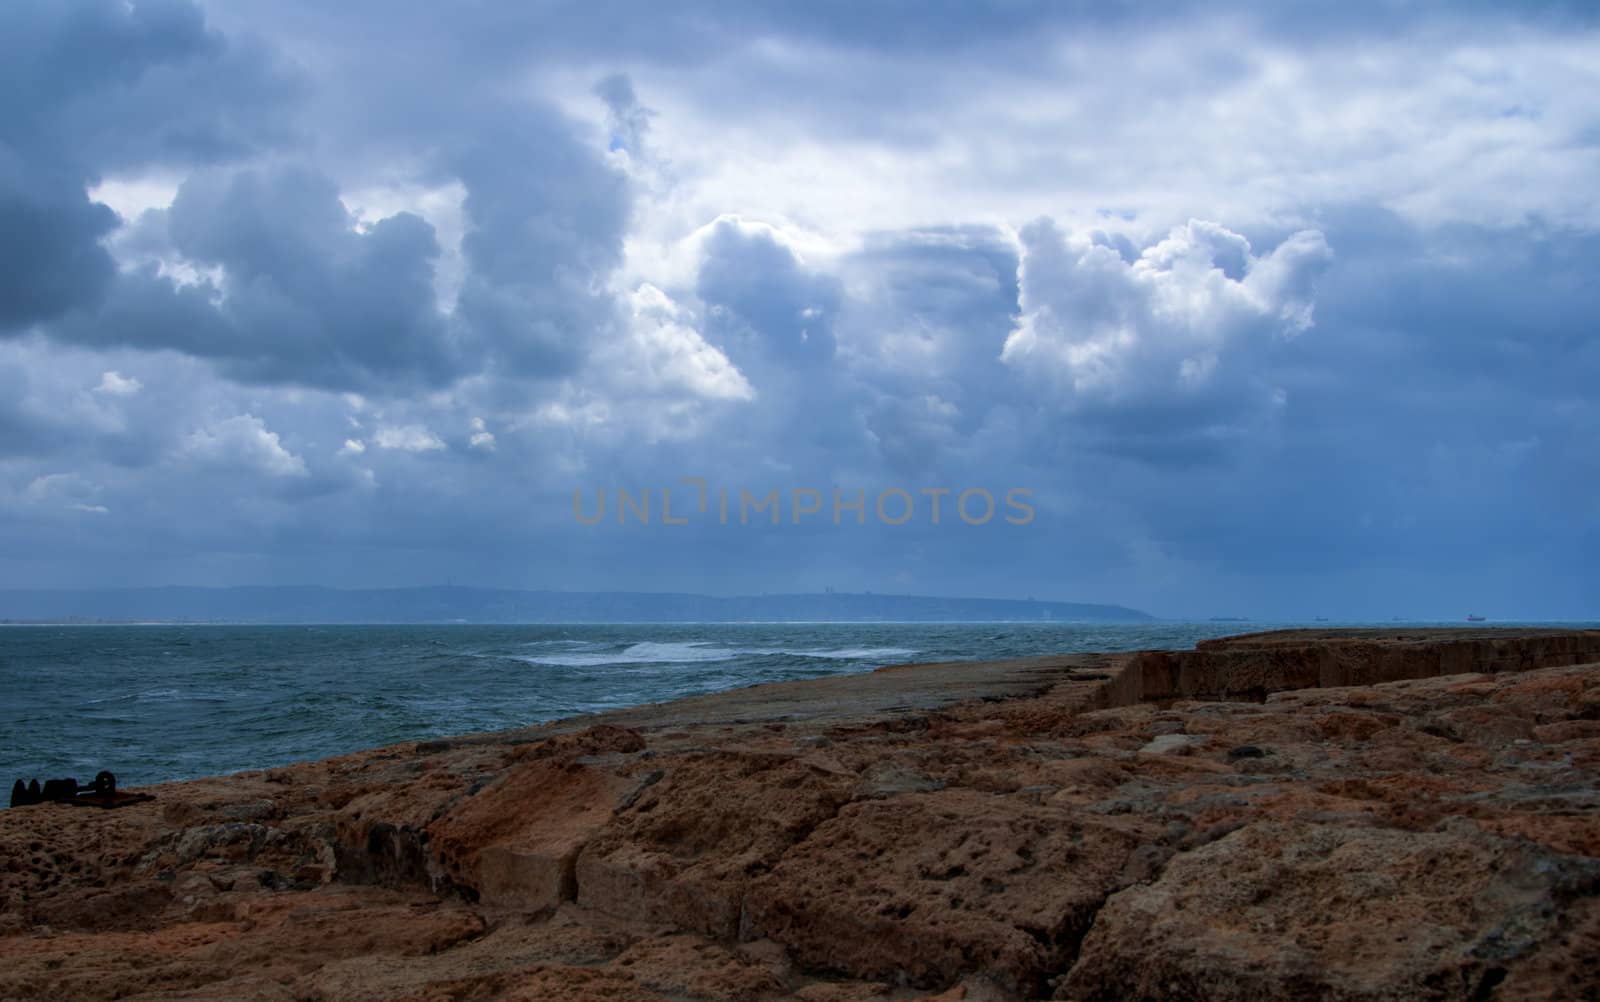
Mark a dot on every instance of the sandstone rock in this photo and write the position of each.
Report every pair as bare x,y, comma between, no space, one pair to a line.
891,779
1329,911
925,887
684,852
517,841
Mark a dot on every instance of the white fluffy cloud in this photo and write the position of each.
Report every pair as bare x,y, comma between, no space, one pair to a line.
243,442
115,384
407,438
482,438
664,353
1100,329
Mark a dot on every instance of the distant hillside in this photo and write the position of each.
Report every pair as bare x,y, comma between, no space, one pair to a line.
491,605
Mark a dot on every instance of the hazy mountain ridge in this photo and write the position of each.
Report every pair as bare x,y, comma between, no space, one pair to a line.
291,604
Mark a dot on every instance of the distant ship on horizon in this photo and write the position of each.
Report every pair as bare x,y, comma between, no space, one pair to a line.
1474,619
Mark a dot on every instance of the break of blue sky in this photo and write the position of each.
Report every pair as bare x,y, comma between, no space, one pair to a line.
1277,312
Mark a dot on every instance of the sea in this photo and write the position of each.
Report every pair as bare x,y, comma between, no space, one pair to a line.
162,702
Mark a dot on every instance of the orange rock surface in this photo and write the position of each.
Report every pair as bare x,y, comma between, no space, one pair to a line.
1337,814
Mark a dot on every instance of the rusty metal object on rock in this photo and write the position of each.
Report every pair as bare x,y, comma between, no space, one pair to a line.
102,792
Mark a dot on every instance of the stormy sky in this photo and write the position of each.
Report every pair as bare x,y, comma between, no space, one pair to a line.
1274,313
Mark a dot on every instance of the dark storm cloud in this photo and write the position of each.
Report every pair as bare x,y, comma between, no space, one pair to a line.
307,298
764,304
547,220
97,87
303,299
926,326
51,259
103,85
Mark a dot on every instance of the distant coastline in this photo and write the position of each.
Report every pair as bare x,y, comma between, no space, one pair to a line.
266,605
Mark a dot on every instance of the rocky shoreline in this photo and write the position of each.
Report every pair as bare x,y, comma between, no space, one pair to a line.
1337,814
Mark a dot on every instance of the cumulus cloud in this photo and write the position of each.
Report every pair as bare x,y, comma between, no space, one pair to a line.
102,87
303,295
664,353
50,404
242,442
407,438
1172,330
115,384
482,438
257,264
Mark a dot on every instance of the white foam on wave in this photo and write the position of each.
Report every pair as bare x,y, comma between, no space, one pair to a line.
149,695
702,651
646,653
857,653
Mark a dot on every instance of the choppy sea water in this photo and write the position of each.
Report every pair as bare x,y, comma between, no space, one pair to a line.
159,702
